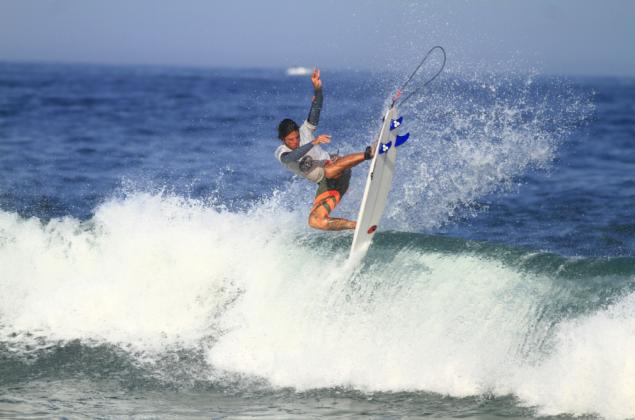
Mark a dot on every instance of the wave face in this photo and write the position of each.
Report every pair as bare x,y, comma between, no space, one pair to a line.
154,281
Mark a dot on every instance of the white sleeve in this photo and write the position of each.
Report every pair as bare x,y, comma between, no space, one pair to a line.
307,133
280,150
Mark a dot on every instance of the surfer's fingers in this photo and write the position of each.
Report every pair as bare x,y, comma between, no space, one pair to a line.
321,139
315,78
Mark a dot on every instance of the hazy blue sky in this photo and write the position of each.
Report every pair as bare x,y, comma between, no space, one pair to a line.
568,36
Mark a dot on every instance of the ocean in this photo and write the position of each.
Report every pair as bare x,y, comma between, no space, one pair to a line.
156,261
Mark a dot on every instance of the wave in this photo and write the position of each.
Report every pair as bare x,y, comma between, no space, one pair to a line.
188,291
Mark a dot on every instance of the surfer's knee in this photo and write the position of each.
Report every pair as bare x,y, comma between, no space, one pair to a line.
332,171
342,164
316,221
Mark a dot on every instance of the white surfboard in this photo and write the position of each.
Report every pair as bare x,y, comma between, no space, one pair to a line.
378,182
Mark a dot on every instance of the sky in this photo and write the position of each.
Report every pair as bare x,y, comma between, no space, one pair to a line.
572,37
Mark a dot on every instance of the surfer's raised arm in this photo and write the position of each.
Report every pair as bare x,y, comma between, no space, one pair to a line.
316,105
293,142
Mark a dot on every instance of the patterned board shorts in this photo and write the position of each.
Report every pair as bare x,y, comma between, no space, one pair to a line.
331,190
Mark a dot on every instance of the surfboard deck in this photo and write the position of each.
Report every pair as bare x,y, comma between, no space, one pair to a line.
378,182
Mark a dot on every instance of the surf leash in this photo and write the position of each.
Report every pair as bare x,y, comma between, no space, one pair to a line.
415,72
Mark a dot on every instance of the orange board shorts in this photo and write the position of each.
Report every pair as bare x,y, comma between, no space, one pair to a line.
331,190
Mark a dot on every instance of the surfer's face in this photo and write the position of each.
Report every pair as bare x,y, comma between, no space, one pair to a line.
292,141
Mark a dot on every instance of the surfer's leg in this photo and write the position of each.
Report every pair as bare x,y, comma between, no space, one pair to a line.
334,169
319,219
328,195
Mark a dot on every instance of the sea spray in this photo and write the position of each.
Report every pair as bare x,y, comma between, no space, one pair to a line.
472,134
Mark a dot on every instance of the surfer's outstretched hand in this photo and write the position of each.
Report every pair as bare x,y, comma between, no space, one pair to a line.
317,82
321,139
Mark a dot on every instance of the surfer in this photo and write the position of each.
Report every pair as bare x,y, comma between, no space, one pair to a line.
301,154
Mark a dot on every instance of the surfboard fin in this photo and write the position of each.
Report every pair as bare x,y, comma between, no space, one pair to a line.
401,139
383,148
395,123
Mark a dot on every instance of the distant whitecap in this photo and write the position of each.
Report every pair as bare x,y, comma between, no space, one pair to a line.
299,71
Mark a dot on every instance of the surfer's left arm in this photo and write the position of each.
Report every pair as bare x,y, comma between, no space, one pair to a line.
299,153
316,105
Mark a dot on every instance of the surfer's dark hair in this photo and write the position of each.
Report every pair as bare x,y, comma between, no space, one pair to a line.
287,127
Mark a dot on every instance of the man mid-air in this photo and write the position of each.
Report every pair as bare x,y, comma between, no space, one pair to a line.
301,154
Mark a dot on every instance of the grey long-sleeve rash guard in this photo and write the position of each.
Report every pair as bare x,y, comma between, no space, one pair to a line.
297,154
316,107
313,119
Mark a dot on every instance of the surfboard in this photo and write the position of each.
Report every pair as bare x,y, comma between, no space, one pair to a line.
378,182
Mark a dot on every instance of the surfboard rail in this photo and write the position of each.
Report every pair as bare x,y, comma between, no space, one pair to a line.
378,182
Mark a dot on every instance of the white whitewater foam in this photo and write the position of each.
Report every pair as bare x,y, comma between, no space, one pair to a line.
592,368
152,272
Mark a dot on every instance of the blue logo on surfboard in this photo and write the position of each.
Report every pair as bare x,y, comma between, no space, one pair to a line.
395,123
383,148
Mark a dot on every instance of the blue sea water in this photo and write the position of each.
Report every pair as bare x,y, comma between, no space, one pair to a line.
156,261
